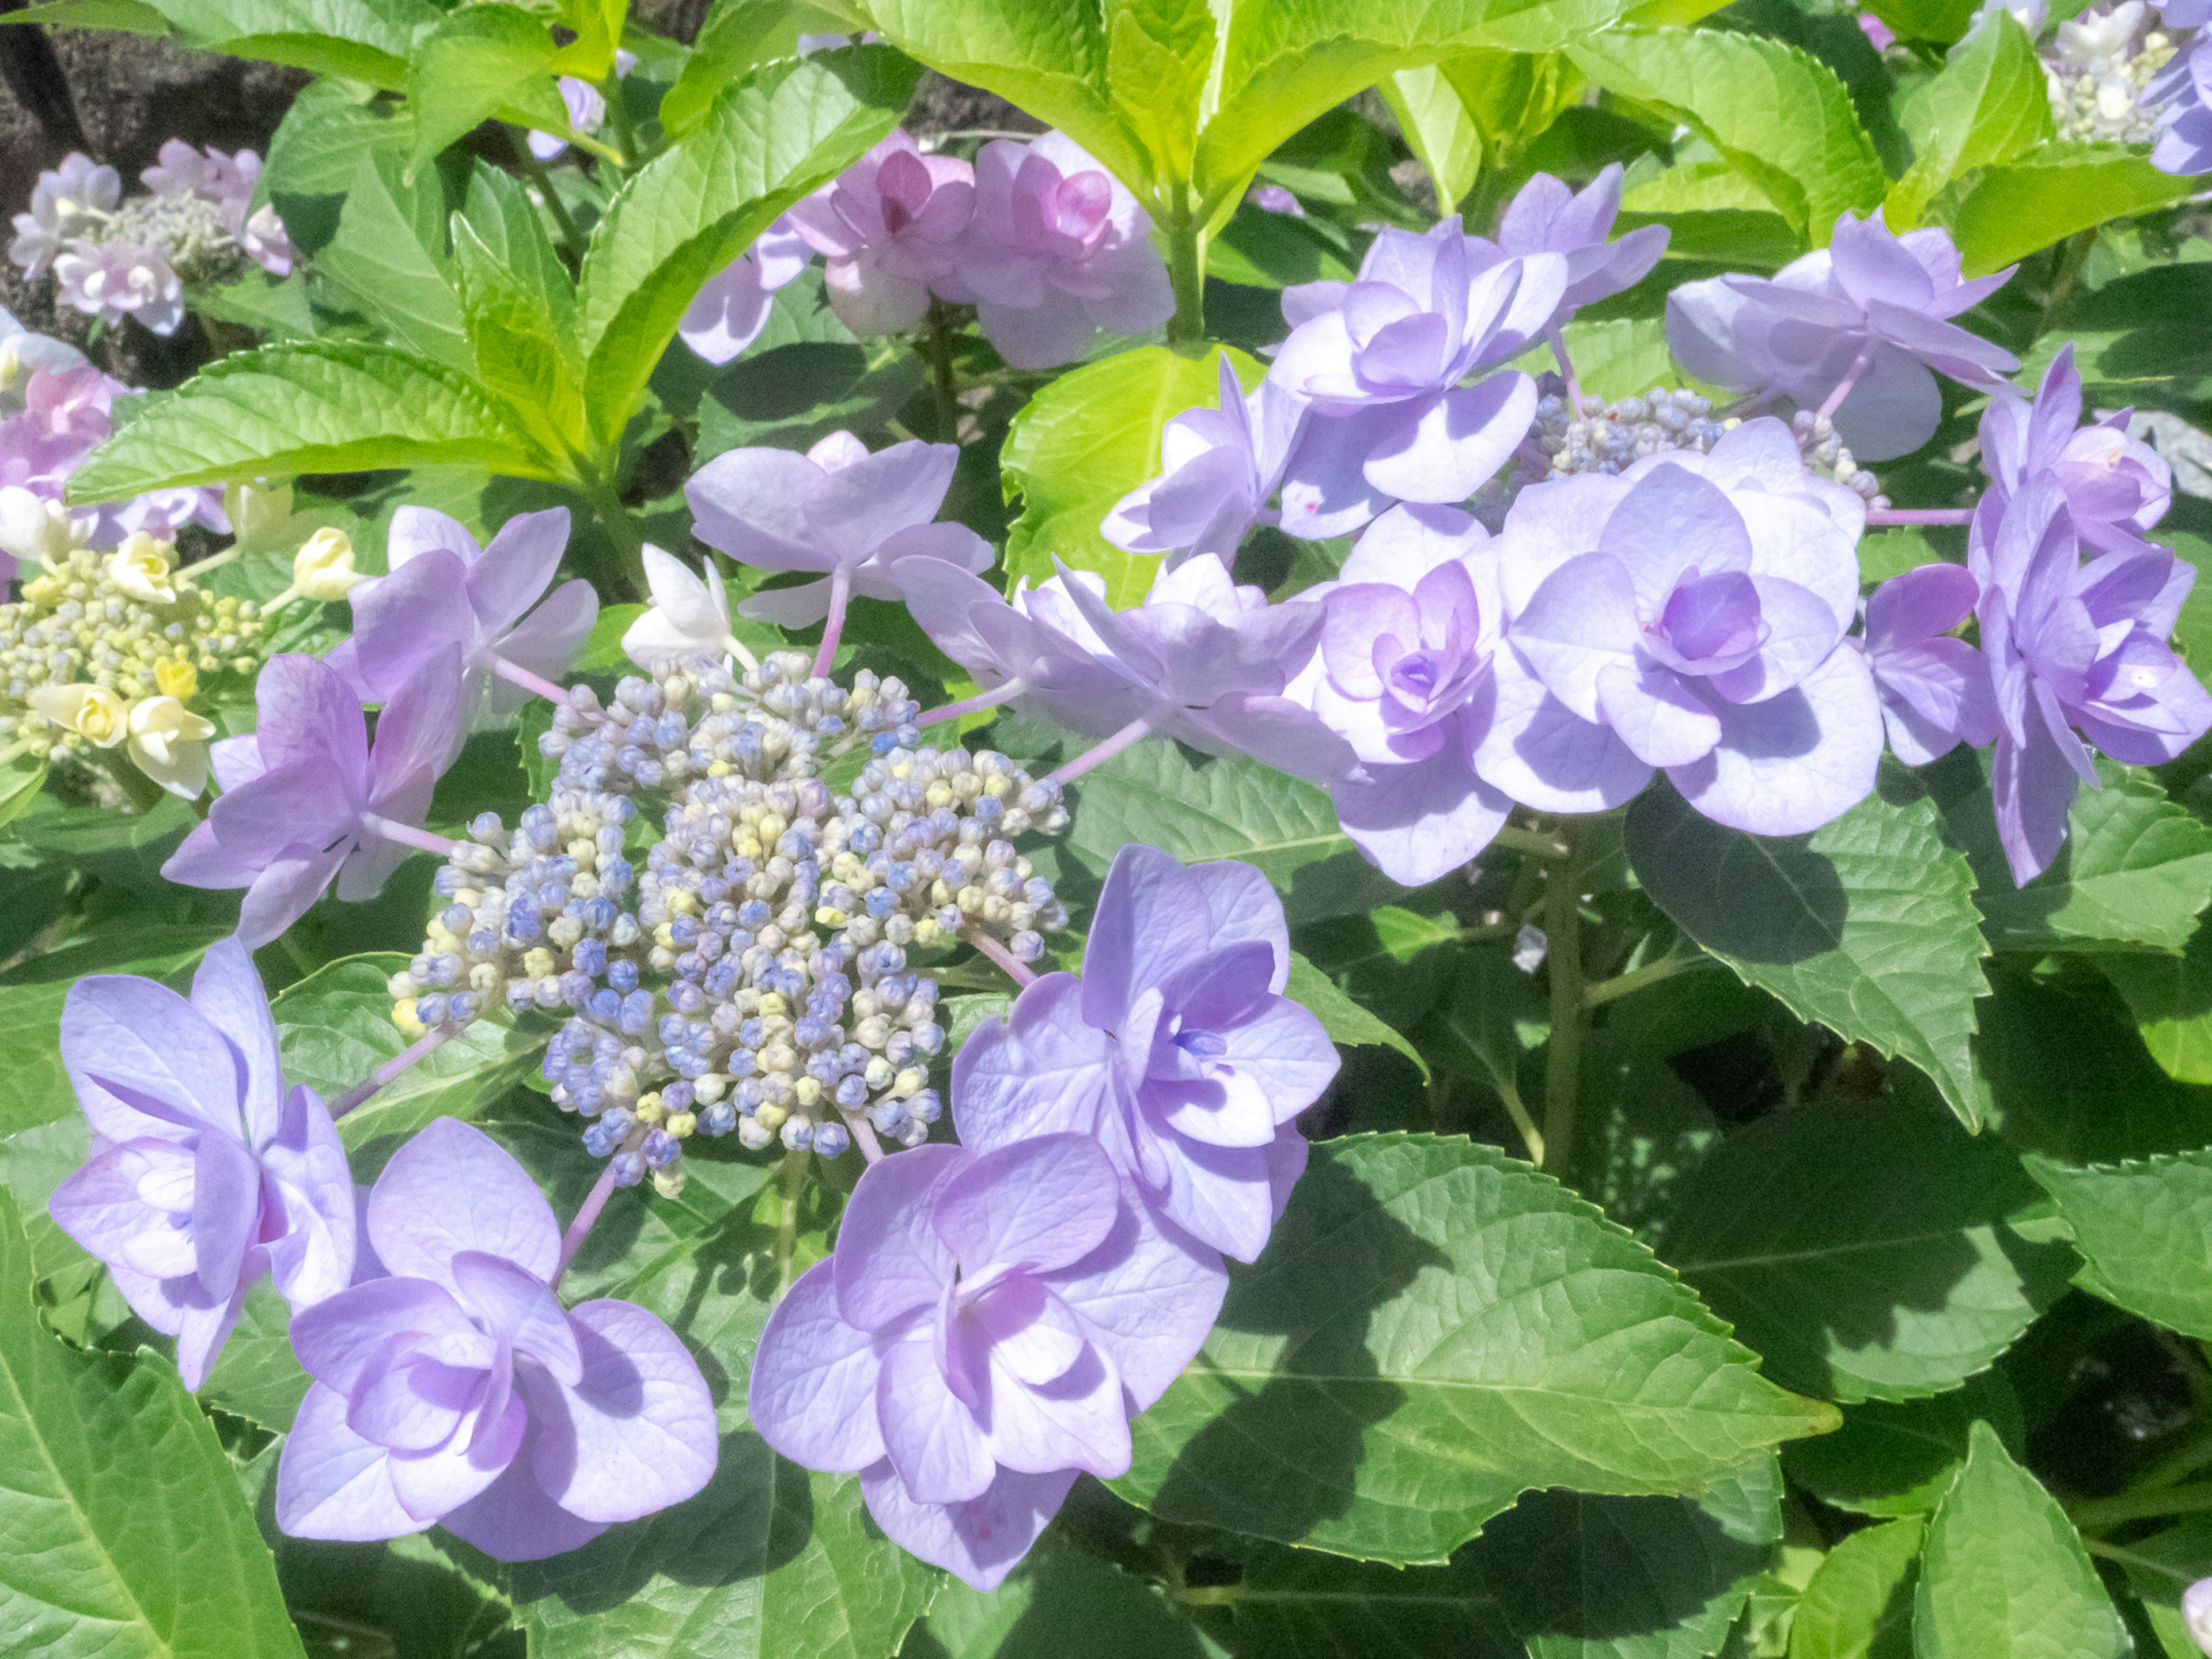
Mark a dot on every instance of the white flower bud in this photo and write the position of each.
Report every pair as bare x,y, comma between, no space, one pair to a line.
38,530
93,712
168,744
141,568
2197,1612
323,568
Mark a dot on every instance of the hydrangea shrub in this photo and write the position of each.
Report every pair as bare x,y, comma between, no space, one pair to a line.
1388,838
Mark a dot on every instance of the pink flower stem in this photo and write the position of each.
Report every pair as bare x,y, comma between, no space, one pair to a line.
982,699
1018,970
1567,370
407,835
1877,517
864,1135
391,1069
515,674
840,594
587,1213
1104,750
1835,399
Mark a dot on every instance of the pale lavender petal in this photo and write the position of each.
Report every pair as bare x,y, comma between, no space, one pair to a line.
1050,1072
750,504
453,1188
1416,823
812,1392
1582,620
513,1306
226,990
637,1431
513,1520
979,1541
338,1339
1795,761
286,890
1147,1296
1038,1204
1457,443
1660,720
431,1483
226,1210
1145,927
144,1062
1075,1421
853,510
515,568
331,1483
942,1454
890,1258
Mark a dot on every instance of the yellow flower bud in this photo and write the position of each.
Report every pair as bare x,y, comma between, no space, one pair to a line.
141,568
323,568
176,679
93,712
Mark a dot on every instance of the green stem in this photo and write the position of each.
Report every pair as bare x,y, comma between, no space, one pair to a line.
2071,259
1530,841
571,237
2097,1513
1563,962
618,115
1637,978
621,526
792,1188
937,346
1186,234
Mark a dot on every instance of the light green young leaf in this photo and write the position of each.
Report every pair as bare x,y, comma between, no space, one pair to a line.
478,61
361,39
1989,104
684,216
121,17
735,35
1437,124
1159,60
321,407
1871,1256
1780,118
1346,1023
524,351
2003,1575
596,26
389,256
1086,440
1434,1329
1867,925
2144,1230
1859,1605
2008,211
317,151
127,1537
21,779
1940,21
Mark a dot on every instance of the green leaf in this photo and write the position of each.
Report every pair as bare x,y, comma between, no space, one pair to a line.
21,779
389,256
1159,60
696,207
1780,118
1619,357
361,39
794,396
2003,1575
1895,1457
1437,124
124,16
524,341
257,1376
126,1533
2069,1078
735,35
1299,1604
1261,249
478,62
1865,1255
2159,1568
2134,873
33,1087
1584,1577
334,1028
2170,997
1989,104
2134,344
1859,1605
1346,1023
1059,1601
2144,1230
1940,21
1230,807
317,151
1434,1329
1867,925
323,407
1086,440
2045,196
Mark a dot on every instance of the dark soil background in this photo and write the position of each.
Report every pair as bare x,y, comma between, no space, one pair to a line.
120,97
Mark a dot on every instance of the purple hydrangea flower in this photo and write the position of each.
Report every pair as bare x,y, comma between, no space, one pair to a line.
587,113
1033,647
114,280
1692,605
23,353
983,1331
306,798
448,599
2196,1605
457,1391
837,512
1864,319
1380,361
1274,198
732,308
2074,647
63,415
1547,217
1057,250
890,226
1218,468
1935,690
206,1172
1404,673
228,182
1176,1049
2185,147
65,203
2117,488
1210,662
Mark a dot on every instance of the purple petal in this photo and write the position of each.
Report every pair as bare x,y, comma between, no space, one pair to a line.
1220,1196
1326,488
429,1483
1147,1296
511,1306
419,530
313,1258
1243,907
1036,1205
2033,788
979,1541
403,621
103,1207
889,1259
852,510
1416,823
1795,761
286,890
226,1210
406,1400
748,503
1543,754
145,1063
548,638
813,1395
1925,601
1075,1421
1047,1073
1803,630
1457,442
1581,620
1670,520
1056,332
1145,925
419,728
515,567
513,1520
331,1483
337,1340
637,1433
941,1454
1870,265
226,990
453,1188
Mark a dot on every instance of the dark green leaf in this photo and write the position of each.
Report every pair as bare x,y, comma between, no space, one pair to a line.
2145,1234
2069,1078
2170,997
1059,1602
794,396
1894,1458
1346,1023
1300,1604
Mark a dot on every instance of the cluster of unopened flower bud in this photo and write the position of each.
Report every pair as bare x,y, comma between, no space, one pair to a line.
1608,437
1824,453
185,229
2098,87
750,974
125,620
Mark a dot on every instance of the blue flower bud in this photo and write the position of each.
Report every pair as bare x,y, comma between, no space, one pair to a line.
629,1168
831,1139
660,1148
637,1016
719,1119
